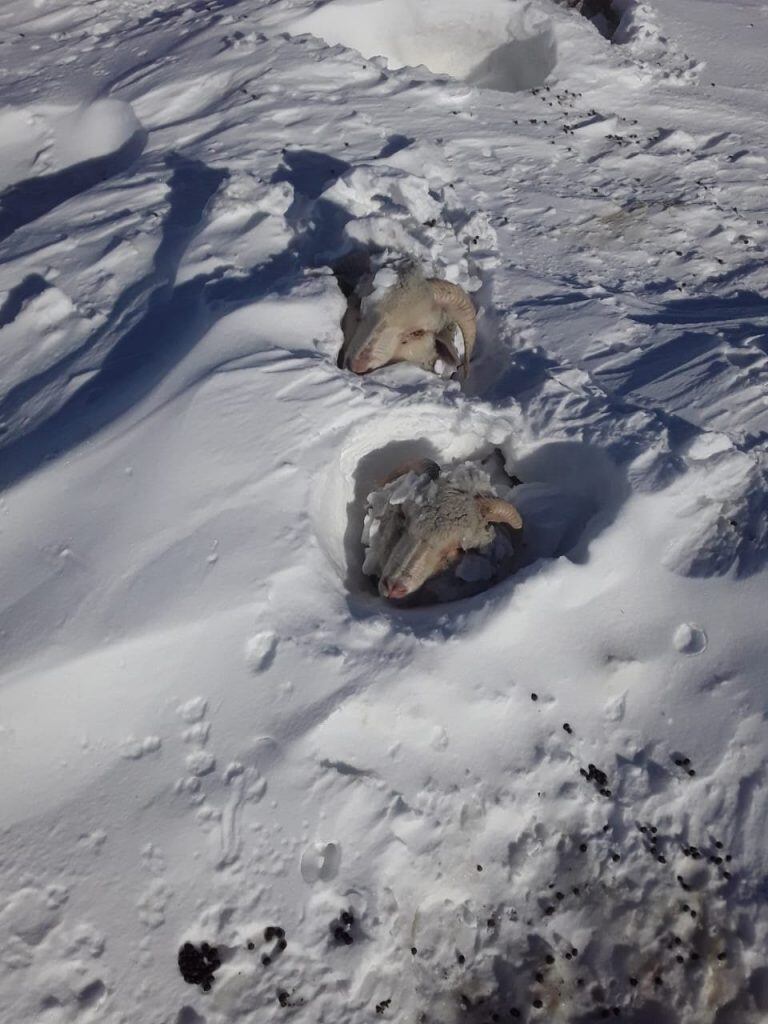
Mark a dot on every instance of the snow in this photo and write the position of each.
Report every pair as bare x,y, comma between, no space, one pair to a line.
210,724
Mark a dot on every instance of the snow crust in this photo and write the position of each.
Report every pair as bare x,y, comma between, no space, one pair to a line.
549,797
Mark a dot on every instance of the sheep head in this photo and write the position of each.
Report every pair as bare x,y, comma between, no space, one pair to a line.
413,322
431,534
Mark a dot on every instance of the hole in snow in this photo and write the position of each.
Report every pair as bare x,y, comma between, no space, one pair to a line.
506,45
92,994
602,14
566,493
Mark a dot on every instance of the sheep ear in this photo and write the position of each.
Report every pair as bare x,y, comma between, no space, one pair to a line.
496,510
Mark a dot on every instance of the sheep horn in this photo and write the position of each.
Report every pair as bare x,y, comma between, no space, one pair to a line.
496,510
455,301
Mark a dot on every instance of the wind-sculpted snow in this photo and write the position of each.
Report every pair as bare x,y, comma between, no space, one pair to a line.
544,802
505,47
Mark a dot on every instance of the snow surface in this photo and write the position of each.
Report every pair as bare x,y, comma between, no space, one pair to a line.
549,798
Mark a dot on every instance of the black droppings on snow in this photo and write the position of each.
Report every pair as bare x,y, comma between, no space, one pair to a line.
197,966
342,936
598,777
341,928
383,1005
274,933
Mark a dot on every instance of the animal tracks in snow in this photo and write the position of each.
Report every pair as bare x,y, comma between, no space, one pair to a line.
58,960
244,784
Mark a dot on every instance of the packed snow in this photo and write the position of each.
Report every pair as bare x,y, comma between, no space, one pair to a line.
239,784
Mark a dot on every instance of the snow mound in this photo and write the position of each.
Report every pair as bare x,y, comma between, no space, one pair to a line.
46,139
494,44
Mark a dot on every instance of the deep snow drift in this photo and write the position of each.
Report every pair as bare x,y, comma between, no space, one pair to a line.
546,802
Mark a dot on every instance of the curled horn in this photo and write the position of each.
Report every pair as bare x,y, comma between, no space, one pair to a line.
455,301
496,510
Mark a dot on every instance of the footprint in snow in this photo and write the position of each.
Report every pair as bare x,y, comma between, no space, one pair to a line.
193,710
320,862
133,750
689,638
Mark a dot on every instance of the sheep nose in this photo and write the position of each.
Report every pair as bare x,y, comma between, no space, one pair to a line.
394,589
358,365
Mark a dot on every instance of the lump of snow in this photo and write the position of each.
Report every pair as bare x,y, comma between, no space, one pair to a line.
689,638
193,710
132,749
200,763
260,651
494,44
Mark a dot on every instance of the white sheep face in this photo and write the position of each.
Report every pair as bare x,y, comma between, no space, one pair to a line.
391,332
423,521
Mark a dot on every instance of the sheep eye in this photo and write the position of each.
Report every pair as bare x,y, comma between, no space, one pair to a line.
418,333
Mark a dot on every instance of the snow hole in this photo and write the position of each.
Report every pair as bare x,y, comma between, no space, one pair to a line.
566,492
507,45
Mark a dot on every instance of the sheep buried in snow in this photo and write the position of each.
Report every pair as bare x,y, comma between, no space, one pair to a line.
423,520
402,316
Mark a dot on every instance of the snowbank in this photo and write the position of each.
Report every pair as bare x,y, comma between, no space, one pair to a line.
504,46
